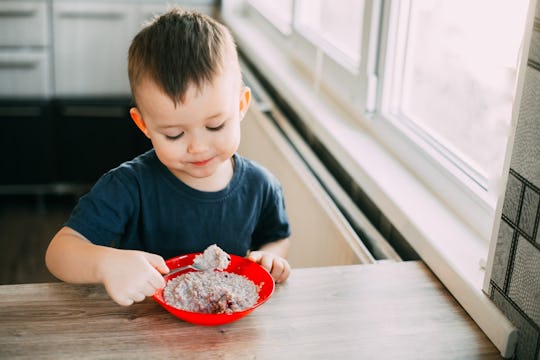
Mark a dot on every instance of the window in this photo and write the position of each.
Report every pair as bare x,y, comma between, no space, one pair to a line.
326,41
335,26
277,12
451,78
433,79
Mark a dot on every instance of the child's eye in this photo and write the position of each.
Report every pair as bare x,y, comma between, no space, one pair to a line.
175,137
217,128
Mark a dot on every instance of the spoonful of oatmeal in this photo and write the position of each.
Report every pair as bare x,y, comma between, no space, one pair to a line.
213,258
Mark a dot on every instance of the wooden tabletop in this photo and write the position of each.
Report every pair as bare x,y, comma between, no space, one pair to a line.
381,311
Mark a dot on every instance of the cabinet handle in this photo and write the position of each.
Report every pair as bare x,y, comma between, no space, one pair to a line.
18,64
20,111
17,12
97,15
86,111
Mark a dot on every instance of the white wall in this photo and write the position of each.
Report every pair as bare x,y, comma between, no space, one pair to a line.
320,235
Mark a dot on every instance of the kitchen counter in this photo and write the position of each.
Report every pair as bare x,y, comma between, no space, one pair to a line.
382,311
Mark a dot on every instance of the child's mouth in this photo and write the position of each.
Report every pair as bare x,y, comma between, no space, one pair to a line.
201,163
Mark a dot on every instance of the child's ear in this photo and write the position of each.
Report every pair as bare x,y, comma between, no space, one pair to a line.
245,100
138,119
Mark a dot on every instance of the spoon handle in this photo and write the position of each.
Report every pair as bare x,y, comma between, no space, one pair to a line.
174,271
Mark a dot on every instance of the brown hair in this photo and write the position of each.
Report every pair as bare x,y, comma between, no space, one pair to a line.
177,49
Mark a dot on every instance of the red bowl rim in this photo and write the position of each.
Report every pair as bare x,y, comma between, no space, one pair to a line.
210,319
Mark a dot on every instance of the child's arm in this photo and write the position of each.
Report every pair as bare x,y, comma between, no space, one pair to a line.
128,275
272,257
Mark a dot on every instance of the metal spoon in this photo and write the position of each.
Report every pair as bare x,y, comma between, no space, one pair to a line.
194,266
210,259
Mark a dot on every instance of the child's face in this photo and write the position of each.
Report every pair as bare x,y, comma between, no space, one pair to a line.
197,138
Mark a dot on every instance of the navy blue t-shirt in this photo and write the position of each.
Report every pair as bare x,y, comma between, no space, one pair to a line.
141,205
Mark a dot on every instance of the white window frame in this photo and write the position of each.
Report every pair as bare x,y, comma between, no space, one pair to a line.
334,74
467,193
450,237
357,90
283,26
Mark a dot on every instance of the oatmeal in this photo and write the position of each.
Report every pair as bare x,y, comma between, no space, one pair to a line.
212,292
212,258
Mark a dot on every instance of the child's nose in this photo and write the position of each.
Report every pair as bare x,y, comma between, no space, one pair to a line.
197,144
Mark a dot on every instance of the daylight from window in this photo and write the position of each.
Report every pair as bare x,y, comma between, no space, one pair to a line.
434,80
335,25
455,76
451,77
278,12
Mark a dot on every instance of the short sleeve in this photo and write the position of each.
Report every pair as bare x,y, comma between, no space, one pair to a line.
102,215
273,223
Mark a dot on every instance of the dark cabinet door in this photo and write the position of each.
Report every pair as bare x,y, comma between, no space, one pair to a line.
94,137
27,143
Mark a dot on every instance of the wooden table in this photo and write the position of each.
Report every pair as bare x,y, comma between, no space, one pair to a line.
382,311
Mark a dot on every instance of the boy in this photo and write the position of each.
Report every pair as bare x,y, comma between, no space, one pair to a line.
192,189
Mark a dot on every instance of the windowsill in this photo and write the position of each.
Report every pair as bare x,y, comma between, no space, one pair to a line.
432,229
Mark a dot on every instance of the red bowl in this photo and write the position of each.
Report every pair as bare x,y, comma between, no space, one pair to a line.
238,265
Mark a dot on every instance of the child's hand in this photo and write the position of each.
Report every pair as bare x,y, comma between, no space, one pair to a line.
278,267
130,276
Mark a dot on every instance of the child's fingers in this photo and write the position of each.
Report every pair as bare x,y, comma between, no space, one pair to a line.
278,267
255,256
157,262
267,262
284,274
280,270
261,258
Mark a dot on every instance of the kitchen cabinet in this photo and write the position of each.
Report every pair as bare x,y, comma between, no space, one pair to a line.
24,23
72,48
24,74
94,136
65,141
64,89
91,41
27,142
24,49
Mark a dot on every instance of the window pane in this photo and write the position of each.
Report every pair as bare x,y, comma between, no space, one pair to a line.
333,24
457,65
278,12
